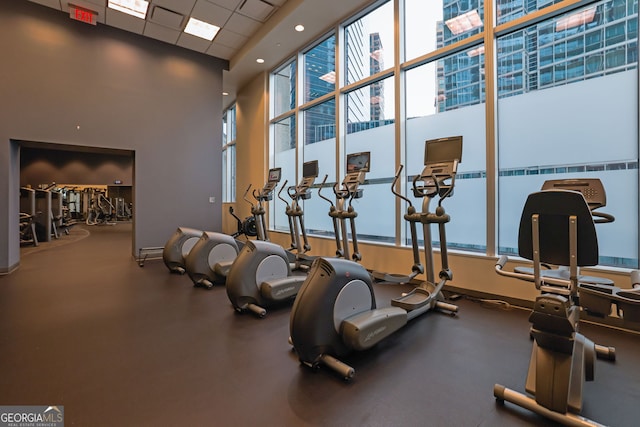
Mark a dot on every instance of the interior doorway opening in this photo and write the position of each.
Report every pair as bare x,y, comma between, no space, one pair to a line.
63,185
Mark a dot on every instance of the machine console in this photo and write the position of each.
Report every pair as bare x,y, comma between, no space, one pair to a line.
309,174
591,188
272,180
358,164
441,159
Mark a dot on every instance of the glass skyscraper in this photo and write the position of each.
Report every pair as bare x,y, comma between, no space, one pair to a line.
589,42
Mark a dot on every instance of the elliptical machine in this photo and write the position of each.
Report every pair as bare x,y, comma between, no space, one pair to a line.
557,227
183,241
262,275
209,261
335,311
177,248
297,231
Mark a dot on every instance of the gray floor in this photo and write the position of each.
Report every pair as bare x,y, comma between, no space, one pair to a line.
82,325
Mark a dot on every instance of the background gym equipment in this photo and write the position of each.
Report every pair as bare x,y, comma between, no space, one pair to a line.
246,227
262,196
557,227
177,248
595,196
101,211
28,234
210,259
297,232
358,164
336,312
261,275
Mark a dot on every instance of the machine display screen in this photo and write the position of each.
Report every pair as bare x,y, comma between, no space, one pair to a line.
310,169
274,175
443,150
358,162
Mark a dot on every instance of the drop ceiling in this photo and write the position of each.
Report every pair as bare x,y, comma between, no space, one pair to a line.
249,29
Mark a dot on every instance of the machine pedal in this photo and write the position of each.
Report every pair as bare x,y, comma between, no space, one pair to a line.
415,299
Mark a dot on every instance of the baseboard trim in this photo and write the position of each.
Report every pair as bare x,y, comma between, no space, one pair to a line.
453,292
10,269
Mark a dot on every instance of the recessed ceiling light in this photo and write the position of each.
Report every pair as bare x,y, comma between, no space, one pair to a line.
137,8
201,29
299,27
260,61
225,93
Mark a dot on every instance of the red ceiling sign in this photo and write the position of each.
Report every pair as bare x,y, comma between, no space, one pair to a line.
82,14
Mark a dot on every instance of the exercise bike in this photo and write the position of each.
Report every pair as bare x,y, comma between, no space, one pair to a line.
262,275
336,311
210,259
557,227
596,198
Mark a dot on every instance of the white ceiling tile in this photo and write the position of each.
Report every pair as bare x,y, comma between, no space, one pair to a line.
49,3
227,4
256,9
209,12
220,51
168,18
181,6
242,25
230,39
102,3
161,33
124,21
194,43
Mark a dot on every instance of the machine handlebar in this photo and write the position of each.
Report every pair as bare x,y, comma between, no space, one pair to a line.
394,183
602,218
320,190
244,196
282,188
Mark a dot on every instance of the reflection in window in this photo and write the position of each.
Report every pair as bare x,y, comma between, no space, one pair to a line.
284,89
369,44
455,81
437,23
320,69
320,122
508,10
569,48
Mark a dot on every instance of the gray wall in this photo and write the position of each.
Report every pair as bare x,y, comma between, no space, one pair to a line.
66,82
44,166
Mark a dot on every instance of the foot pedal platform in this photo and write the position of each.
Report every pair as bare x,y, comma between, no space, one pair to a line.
417,298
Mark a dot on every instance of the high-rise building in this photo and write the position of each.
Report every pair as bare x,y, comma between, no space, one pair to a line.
593,41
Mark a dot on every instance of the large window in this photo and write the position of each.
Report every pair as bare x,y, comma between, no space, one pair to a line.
229,155
433,24
320,69
578,126
283,156
556,98
373,131
283,93
320,145
369,44
446,98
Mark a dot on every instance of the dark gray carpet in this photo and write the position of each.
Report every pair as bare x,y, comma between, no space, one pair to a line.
82,325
